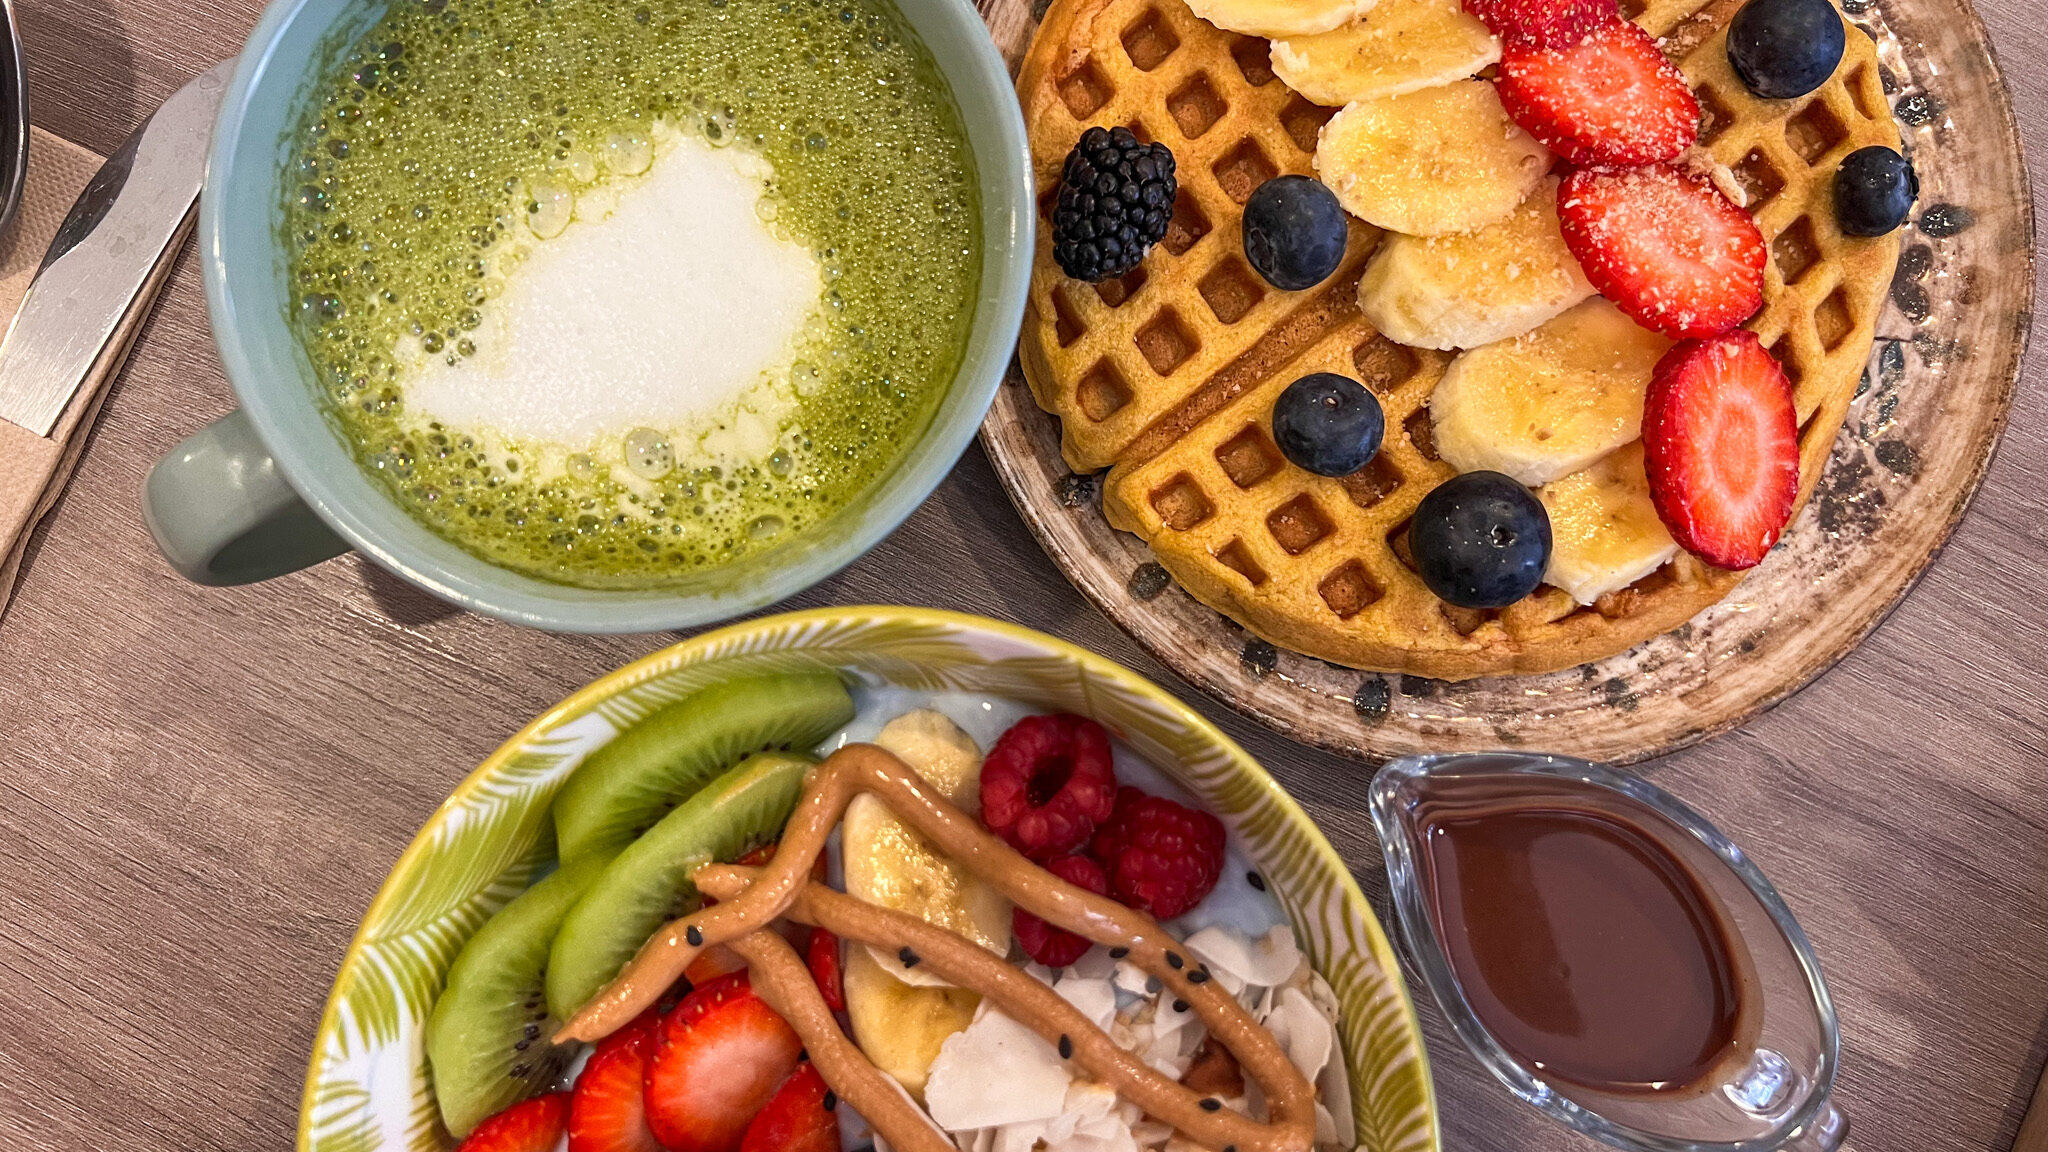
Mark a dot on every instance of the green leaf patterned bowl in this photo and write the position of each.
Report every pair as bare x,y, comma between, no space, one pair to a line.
367,1089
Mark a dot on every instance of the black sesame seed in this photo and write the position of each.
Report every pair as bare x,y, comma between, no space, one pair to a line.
1255,880
1180,1005
1119,953
1173,960
1211,1104
831,1100
1199,976
695,936
1066,1047
908,957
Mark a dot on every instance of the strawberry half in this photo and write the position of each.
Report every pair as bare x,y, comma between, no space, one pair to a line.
714,961
821,955
1610,98
1666,246
802,1116
529,1126
718,1057
608,1109
717,960
1721,446
1543,23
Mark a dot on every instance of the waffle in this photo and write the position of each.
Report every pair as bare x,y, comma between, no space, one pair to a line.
1167,377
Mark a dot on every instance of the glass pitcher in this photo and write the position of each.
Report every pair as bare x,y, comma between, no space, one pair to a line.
1776,1097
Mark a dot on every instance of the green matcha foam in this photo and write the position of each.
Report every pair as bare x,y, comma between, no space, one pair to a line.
611,295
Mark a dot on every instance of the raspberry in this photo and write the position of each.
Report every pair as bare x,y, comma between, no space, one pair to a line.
1057,947
1162,857
1047,783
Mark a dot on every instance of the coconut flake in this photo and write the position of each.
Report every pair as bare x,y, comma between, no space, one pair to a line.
1234,959
1333,1090
995,1073
1094,964
1019,1137
1303,1031
1096,999
1321,995
1131,978
1090,1114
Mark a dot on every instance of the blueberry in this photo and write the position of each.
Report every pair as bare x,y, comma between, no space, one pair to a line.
1328,424
1294,232
1481,540
1785,48
1874,189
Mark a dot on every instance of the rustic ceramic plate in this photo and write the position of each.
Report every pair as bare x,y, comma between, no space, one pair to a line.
367,1090
1914,448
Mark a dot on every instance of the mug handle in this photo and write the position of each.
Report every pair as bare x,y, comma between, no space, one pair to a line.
222,514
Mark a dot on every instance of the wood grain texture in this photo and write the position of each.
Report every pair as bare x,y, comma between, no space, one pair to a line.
201,789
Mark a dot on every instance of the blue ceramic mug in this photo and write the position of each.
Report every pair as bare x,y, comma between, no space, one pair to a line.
271,487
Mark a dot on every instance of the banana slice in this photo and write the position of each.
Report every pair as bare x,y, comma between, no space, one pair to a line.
901,1015
888,863
1400,46
1440,160
1271,18
1474,288
898,1027
1549,403
1604,531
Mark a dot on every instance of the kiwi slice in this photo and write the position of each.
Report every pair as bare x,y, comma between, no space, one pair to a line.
627,785
487,1038
649,883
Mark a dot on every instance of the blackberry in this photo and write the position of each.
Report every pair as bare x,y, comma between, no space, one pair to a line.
1116,196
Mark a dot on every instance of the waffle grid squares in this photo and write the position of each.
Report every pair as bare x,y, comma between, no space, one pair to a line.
1209,94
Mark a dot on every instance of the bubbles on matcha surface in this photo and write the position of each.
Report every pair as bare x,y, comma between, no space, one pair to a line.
457,127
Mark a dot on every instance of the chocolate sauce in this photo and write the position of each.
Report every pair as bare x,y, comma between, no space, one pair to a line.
1591,951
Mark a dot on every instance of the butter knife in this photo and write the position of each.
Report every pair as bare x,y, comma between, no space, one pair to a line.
107,257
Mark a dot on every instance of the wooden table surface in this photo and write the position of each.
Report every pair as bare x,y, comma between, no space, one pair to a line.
201,789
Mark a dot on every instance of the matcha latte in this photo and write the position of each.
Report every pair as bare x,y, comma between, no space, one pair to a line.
611,292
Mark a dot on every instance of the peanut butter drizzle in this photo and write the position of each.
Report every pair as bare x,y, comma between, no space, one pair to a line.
786,985
1024,999
784,884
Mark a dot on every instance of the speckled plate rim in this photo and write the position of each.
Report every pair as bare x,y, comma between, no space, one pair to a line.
1107,597
357,1050
2007,373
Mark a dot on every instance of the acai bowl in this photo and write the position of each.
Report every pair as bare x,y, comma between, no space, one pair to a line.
389,1068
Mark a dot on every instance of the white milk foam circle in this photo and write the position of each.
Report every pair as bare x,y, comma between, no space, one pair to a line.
668,303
